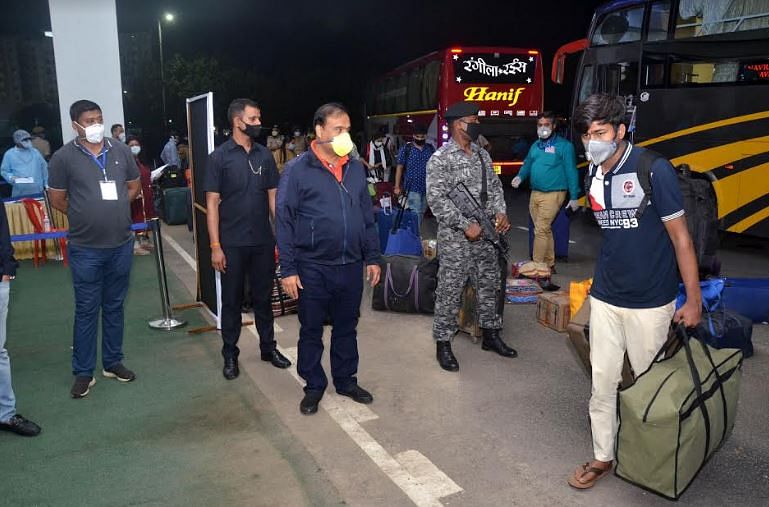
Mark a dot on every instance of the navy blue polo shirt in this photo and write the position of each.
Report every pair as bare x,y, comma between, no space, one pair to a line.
415,177
242,181
636,266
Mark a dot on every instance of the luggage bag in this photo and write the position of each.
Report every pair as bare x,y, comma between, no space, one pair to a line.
175,205
384,220
675,416
407,286
748,297
725,329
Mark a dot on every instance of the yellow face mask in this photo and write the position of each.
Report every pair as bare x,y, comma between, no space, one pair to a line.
342,144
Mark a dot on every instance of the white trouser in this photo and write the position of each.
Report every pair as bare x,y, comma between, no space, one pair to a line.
613,330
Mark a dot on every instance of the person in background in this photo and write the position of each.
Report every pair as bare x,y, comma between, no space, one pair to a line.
118,132
413,158
23,167
551,165
327,239
241,183
9,419
93,180
40,143
298,143
142,208
170,154
380,162
275,143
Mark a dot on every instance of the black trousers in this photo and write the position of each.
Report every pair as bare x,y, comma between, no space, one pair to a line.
333,291
258,264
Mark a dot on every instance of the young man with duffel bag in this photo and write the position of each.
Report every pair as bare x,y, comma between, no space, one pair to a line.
633,294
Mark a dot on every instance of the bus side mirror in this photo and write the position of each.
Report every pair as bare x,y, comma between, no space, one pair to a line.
558,71
559,63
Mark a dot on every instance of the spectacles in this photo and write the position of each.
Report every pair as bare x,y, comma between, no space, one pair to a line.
258,172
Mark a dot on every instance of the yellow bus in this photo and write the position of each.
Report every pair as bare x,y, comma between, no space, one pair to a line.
695,77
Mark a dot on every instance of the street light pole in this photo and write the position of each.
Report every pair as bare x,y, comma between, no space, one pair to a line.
167,17
162,76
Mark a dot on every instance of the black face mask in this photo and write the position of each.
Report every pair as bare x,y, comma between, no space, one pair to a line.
473,130
252,131
420,142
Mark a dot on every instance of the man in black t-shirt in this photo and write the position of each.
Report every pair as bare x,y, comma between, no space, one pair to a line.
241,184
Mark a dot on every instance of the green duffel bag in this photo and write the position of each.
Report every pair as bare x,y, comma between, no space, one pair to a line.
675,416
176,205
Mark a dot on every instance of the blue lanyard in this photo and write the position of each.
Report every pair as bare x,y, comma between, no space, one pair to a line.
100,160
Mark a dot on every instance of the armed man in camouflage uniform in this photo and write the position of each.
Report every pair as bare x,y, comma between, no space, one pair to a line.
461,248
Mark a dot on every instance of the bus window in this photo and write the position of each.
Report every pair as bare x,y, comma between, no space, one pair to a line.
586,83
659,20
621,26
401,97
653,73
619,78
430,84
415,89
703,73
697,18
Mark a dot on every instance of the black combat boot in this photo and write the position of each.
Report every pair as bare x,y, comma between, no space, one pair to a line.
492,341
445,357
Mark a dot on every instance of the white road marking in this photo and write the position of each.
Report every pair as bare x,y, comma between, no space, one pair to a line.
427,473
412,472
182,253
522,228
191,263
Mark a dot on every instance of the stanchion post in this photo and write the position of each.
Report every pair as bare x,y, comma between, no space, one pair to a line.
167,322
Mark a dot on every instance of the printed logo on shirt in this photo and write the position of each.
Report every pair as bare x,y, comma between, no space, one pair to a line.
616,219
626,192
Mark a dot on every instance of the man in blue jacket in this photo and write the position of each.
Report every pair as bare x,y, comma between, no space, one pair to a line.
552,167
326,234
9,419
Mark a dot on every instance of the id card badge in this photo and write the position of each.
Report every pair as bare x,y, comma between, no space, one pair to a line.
550,149
108,190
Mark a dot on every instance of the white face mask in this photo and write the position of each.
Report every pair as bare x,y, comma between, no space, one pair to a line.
121,137
544,132
274,133
136,150
93,133
599,152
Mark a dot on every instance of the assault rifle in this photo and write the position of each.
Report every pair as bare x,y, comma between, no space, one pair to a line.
469,207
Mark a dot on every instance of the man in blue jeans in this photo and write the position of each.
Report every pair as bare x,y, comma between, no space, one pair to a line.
9,419
326,234
413,158
93,180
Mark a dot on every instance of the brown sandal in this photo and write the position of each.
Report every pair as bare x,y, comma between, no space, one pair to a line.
576,481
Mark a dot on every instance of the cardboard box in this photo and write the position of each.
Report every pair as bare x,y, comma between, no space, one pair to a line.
553,310
468,312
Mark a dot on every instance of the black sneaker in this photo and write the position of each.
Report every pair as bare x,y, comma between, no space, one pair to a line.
82,386
21,426
119,372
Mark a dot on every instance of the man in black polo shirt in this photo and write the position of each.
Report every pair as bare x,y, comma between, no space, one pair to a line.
241,184
93,180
